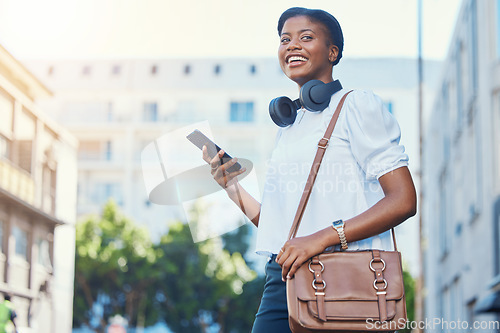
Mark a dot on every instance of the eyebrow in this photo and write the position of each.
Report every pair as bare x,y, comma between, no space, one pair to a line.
301,31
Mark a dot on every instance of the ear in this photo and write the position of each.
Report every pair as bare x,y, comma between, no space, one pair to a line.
333,54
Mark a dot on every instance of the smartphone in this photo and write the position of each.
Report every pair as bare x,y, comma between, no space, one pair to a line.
199,140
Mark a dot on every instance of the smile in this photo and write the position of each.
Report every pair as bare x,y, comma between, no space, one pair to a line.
296,59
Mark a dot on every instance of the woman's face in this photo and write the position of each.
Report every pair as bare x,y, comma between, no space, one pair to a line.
305,52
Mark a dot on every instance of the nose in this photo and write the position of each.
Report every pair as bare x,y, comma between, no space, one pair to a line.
294,44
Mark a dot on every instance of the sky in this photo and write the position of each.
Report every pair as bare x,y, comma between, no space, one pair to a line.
79,29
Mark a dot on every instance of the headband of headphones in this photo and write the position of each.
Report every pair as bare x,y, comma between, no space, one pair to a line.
314,96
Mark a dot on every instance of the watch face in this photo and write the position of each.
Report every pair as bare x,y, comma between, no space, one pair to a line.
338,223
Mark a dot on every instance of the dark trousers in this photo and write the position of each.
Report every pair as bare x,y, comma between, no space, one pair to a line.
272,316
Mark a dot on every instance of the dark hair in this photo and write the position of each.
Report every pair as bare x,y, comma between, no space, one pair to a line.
319,16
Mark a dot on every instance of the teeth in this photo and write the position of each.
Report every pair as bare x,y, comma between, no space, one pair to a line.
296,58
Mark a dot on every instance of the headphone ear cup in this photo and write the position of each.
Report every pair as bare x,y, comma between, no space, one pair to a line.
315,101
282,111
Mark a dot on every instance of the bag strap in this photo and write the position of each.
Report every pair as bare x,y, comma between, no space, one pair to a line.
322,144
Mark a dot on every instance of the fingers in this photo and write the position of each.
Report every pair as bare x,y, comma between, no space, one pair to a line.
289,261
215,161
294,267
219,172
206,158
291,256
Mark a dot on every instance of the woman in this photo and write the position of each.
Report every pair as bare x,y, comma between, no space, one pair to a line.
363,180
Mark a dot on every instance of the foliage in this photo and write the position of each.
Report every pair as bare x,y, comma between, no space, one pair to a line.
409,283
113,271
191,286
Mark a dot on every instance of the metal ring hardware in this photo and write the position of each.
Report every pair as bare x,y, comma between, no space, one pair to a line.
375,284
326,144
373,269
316,288
322,266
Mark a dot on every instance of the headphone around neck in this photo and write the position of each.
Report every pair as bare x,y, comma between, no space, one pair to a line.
314,96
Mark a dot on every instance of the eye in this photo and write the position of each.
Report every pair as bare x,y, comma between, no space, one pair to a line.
306,37
285,40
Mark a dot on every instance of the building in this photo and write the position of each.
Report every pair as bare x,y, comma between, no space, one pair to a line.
461,172
37,204
116,107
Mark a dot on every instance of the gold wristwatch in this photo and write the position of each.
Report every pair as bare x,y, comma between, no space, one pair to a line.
339,227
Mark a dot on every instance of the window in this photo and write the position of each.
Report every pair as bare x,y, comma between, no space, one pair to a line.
95,150
473,45
25,148
457,310
473,150
446,303
150,112
21,238
6,112
496,237
217,69
154,70
108,153
86,70
102,192
471,314
4,147
443,214
187,70
241,112
109,112
44,253
253,69
460,81
116,70
446,119
49,182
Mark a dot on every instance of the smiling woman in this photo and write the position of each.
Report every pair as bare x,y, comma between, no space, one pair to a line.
352,208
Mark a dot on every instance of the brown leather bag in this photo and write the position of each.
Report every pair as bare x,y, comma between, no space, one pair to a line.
349,290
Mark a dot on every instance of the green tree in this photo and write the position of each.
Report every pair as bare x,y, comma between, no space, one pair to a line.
409,284
190,286
113,270
199,281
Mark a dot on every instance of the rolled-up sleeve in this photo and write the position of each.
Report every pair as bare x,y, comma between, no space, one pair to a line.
374,135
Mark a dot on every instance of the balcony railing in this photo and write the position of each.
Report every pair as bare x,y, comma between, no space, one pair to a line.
17,181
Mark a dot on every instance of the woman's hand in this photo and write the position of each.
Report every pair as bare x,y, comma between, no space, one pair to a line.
298,250
221,176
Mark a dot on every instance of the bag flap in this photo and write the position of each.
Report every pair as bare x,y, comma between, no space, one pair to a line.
348,277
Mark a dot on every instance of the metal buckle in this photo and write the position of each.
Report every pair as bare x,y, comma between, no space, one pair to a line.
326,144
381,260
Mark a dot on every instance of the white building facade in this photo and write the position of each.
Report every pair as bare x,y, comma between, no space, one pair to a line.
461,172
38,179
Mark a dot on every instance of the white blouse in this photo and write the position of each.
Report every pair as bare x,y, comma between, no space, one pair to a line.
363,147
